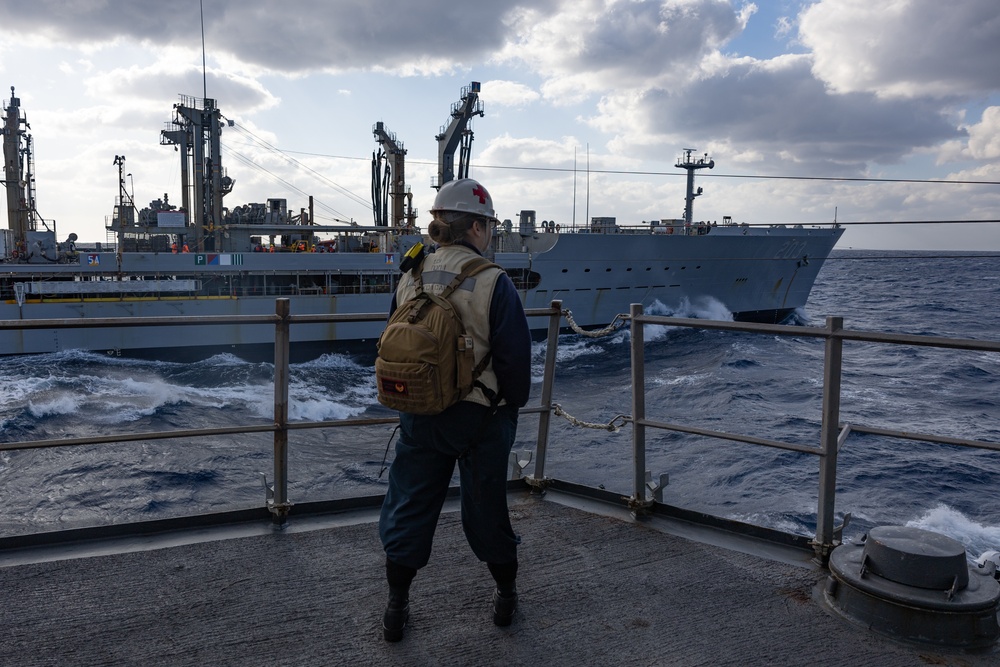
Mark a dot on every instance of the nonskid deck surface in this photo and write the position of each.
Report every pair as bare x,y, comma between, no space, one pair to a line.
595,590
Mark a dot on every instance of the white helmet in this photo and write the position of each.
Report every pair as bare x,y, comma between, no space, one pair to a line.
464,196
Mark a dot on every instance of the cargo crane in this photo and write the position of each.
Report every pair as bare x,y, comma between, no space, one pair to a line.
389,184
457,133
195,132
28,237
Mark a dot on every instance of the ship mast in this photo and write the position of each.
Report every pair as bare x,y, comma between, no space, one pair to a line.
19,212
461,113
692,164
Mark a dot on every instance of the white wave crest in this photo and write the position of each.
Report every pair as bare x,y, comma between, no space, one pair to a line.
15,391
570,347
112,398
335,361
309,402
976,537
63,404
702,308
670,378
320,409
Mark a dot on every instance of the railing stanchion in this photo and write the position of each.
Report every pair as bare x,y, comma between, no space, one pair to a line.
638,406
548,378
829,438
279,505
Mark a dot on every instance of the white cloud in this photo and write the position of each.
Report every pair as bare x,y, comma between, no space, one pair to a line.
984,137
593,46
906,48
776,109
153,84
508,93
783,27
523,152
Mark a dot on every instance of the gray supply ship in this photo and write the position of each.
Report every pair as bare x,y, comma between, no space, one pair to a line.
206,259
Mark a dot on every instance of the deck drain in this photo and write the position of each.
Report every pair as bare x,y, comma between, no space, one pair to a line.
914,585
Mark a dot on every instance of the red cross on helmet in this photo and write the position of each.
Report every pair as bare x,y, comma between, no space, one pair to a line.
464,195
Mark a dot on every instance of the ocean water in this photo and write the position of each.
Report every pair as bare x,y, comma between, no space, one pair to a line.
760,385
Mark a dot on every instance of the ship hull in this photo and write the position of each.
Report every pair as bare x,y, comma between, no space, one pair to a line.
755,274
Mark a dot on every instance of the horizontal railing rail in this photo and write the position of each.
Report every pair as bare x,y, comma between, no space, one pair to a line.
920,437
188,433
820,332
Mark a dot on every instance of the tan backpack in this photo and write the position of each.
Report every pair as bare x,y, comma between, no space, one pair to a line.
426,360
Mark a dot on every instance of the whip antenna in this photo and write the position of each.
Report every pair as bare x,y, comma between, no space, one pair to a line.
204,75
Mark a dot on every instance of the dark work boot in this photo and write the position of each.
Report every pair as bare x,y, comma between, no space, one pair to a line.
504,606
505,595
397,612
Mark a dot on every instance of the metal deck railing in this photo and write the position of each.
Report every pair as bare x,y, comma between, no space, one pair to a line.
647,493
833,432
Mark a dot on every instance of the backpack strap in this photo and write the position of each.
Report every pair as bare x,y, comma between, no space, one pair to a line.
469,269
418,278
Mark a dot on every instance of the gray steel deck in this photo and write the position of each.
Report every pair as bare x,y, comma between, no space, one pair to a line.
597,588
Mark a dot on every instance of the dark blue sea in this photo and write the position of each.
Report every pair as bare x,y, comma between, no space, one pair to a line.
761,385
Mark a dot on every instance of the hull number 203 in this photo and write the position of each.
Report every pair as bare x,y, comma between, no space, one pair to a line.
791,249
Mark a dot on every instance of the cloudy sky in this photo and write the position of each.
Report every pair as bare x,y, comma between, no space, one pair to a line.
874,93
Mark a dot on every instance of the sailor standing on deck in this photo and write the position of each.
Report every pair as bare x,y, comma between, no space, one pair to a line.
476,432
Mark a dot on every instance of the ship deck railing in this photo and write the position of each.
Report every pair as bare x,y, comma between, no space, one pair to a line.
647,489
